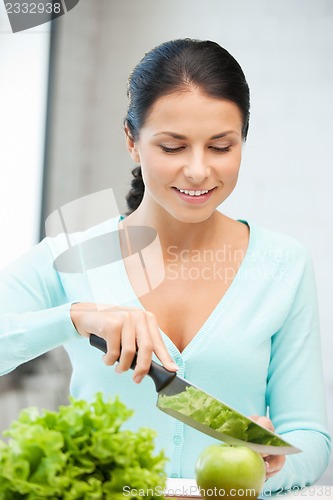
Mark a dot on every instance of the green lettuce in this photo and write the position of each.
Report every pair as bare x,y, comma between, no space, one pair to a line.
79,452
209,411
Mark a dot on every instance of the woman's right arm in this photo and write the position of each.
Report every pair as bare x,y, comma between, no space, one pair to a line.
34,313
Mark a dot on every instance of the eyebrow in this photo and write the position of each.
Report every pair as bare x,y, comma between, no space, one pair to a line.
183,137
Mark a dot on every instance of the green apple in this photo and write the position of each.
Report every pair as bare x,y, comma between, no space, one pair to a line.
230,471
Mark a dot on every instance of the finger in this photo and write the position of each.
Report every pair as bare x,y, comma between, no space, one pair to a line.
128,344
110,331
149,341
145,347
265,422
274,464
158,345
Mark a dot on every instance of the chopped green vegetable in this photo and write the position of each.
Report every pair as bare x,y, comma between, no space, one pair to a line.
79,452
209,411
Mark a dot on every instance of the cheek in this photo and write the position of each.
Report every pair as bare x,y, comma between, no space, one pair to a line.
231,166
156,168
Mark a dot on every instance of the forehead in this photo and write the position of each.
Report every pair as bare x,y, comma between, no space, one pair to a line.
191,111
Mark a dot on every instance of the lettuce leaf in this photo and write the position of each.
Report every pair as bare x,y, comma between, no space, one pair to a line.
78,452
207,410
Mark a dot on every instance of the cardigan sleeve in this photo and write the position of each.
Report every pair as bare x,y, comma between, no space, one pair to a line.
34,311
295,388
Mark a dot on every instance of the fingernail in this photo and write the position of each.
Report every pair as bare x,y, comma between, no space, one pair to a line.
138,378
118,369
267,465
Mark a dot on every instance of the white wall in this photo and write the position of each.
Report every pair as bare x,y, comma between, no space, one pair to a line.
23,85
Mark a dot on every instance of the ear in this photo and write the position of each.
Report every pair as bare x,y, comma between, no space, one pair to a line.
131,145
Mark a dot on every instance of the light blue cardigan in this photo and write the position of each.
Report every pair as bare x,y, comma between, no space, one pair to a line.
259,350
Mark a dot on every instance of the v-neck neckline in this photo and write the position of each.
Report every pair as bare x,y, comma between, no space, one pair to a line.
172,348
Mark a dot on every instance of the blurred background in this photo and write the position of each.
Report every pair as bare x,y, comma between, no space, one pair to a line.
62,104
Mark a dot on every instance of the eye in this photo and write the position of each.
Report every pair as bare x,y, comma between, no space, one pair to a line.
166,149
220,150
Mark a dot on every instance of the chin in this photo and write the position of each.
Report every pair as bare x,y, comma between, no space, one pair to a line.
192,217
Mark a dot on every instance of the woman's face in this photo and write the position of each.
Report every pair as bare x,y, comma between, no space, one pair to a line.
189,150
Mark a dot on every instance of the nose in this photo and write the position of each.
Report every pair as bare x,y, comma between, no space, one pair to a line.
197,168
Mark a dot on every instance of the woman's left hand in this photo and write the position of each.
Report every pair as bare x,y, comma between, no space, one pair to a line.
274,463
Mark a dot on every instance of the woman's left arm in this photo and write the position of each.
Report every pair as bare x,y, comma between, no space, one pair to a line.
295,387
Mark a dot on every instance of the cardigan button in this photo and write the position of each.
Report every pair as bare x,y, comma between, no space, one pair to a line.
177,439
179,360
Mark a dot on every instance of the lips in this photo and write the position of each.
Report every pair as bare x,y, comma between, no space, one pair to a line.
192,192
194,196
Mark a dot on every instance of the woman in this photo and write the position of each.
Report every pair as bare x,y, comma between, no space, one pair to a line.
236,312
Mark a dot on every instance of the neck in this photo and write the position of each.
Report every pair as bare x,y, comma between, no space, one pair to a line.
172,232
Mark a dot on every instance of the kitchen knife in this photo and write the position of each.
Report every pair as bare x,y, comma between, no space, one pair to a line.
189,404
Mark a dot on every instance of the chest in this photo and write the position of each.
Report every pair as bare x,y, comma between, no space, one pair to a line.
188,296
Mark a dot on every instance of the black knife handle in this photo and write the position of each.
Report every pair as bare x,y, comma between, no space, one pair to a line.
160,375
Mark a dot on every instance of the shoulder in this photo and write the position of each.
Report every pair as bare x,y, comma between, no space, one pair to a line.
61,240
281,255
71,250
277,246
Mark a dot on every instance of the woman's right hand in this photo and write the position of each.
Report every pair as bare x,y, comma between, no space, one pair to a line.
127,331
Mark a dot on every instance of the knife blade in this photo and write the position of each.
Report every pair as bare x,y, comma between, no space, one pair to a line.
191,405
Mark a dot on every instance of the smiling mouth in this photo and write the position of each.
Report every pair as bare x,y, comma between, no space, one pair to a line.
192,192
